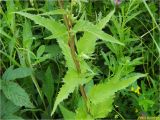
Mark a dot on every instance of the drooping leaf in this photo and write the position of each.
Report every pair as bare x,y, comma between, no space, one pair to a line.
16,94
21,72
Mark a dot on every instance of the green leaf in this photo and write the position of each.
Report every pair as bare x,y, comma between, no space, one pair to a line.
7,72
55,12
27,34
40,50
67,54
7,108
86,44
57,28
82,25
82,114
21,72
101,95
72,80
54,50
67,114
48,85
103,91
102,109
16,94
101,24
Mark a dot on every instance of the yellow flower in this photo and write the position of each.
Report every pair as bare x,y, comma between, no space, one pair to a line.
136,90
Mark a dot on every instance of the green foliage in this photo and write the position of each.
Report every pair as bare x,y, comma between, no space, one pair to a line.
8,109
66,113
48,85
79,59
16,94
17,73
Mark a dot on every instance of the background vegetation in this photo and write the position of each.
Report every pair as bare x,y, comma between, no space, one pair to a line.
88,58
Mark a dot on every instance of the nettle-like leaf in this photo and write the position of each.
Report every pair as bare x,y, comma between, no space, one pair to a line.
87,26
81,114
101,109
71,80
12,74
55,27
86,44
16,94
99,94
67,54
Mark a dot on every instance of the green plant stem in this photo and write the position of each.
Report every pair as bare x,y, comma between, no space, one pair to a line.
71,44
35,82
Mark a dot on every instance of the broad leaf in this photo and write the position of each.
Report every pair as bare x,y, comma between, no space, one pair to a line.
21,72
7,108
48,85
16,94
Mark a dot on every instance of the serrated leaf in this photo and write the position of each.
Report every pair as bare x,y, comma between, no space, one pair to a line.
67,114
40,50
82,25
48,85
16,94
102,109
72,80
101,92
86,44
56,28
82,114
67,54
101,24
17,73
